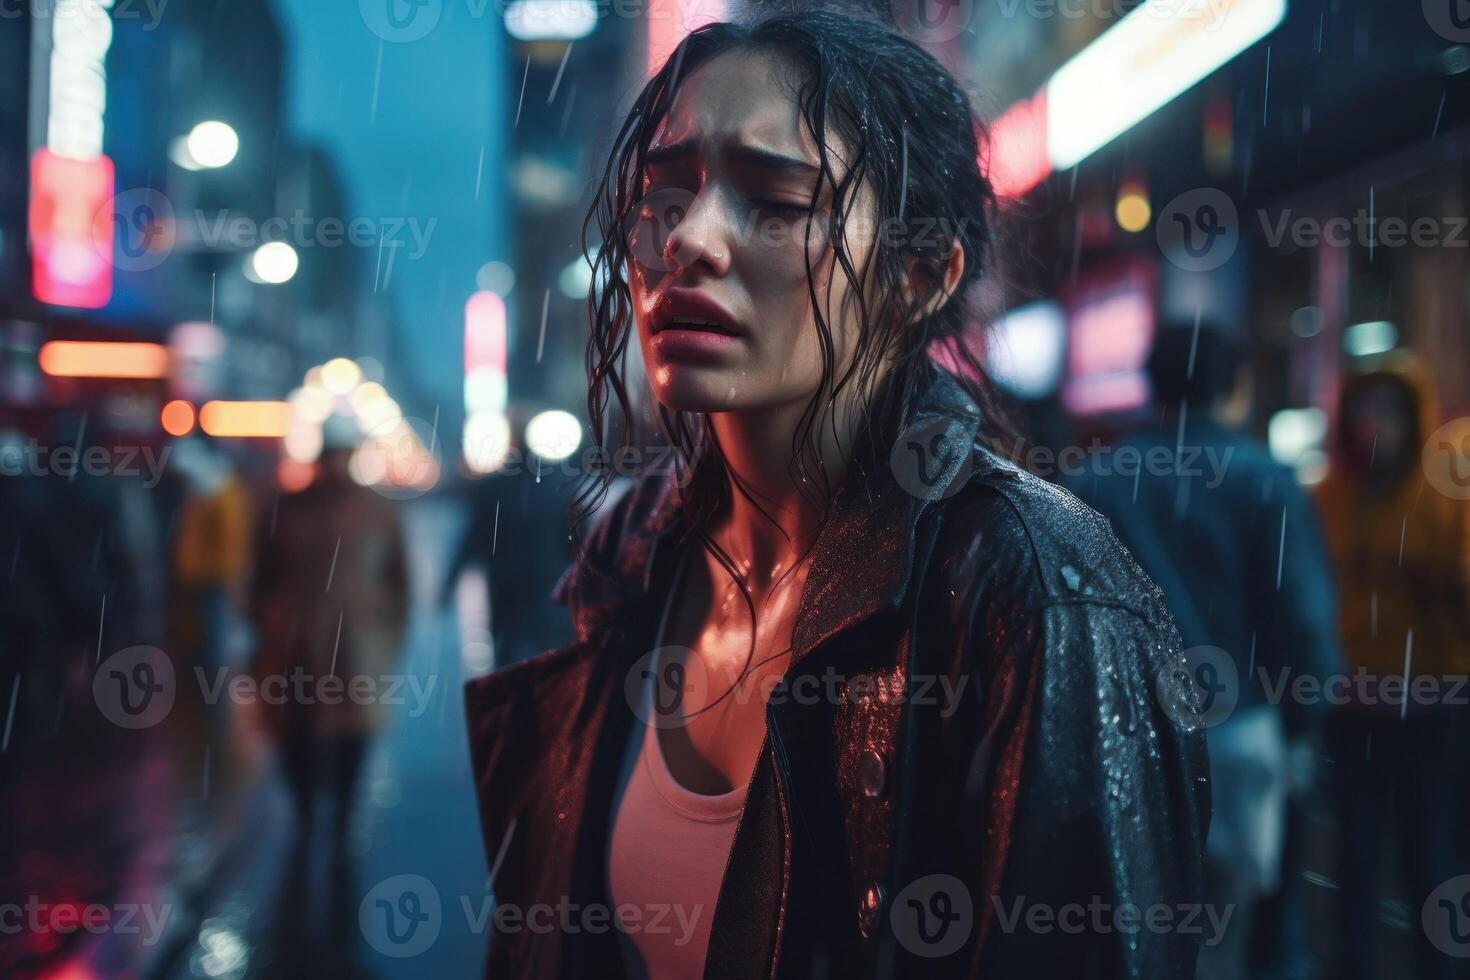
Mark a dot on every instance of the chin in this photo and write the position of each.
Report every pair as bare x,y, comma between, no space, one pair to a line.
683,387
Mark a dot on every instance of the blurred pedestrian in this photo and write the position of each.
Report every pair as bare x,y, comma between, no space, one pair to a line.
330,600
517,536
1401,550
1232,539
208,567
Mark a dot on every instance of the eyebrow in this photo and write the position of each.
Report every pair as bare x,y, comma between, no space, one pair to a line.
760,156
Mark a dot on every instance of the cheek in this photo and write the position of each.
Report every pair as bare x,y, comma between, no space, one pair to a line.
637,279
783,303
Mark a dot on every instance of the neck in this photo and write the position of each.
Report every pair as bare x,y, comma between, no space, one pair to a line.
757,449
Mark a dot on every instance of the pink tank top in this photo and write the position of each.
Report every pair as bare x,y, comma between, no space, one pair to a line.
666,857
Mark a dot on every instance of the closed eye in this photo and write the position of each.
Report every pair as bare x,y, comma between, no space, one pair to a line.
785,209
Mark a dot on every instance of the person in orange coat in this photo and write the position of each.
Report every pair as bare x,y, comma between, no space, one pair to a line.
1401,547
330,600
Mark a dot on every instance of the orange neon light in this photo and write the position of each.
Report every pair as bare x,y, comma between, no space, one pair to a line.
255,420
103,359
177,417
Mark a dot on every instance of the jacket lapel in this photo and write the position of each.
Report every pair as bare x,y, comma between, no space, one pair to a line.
863,559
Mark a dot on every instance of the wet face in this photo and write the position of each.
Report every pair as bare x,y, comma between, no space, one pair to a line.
722,300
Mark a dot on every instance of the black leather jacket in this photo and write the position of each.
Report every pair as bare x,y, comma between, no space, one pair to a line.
1033,807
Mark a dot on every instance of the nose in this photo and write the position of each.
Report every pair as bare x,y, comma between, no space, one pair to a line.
699,237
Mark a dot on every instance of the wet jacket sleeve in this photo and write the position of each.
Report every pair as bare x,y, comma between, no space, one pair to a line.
1103,878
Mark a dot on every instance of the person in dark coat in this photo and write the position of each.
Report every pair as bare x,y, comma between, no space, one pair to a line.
850,694
1235,543
330,600
517,535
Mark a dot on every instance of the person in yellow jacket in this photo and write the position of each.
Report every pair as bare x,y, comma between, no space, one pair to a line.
209,558
1401,548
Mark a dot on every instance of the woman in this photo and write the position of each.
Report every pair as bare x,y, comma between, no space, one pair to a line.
851,695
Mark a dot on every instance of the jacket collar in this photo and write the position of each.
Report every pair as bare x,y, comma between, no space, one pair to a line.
863,559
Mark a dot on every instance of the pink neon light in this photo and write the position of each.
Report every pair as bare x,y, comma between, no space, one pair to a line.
484,332
71,230
1111,337
1018,158
670,21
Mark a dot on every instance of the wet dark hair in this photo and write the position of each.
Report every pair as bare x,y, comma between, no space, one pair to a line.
915,140
1197,367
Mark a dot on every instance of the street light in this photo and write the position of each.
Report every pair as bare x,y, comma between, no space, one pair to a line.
274,263
212,144
553,435
340,375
